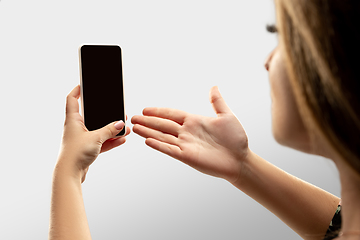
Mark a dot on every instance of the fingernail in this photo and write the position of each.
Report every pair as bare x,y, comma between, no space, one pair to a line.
119,125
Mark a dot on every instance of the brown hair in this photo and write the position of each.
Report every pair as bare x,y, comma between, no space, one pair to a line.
322,45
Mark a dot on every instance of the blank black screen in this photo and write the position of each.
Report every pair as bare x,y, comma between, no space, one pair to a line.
102,85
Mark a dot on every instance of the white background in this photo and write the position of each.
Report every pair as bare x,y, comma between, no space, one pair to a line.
173,53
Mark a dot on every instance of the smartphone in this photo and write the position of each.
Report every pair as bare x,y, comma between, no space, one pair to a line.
102,89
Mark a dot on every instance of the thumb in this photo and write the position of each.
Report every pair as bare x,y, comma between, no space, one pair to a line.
218,103
110,130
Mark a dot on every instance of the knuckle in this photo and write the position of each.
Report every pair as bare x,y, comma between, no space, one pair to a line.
97,137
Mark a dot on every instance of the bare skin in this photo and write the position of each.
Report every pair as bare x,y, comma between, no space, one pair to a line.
216,146
350,195
204,143
219,147
79,149
289,130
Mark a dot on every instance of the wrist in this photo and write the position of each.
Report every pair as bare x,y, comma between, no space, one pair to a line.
65,169
245,170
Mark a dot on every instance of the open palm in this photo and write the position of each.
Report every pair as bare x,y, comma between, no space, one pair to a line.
215,146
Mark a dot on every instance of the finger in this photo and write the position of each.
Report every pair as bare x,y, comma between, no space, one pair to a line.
115,142
218,103
72,104
127,131
112,143
168,149
159,124
167,113
151,133
110,131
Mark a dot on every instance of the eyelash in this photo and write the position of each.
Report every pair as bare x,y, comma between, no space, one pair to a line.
271,28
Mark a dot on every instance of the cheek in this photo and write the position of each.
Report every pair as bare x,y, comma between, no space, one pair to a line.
280,106
287,125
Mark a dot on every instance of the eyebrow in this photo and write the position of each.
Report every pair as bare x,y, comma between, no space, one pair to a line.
271,28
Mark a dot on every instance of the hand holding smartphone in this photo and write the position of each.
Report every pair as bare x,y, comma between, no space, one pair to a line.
102,91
